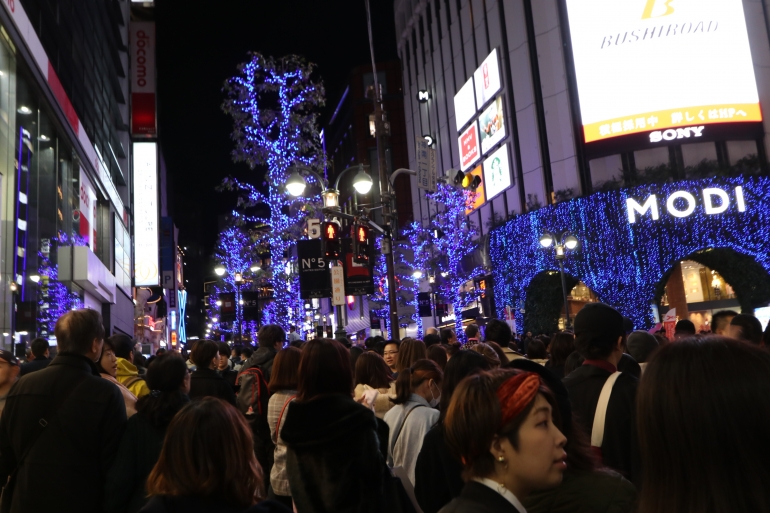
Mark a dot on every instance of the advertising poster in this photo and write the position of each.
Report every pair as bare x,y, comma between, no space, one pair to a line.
465,104
492,125
468,144
146,221
497,172
657,65
487,79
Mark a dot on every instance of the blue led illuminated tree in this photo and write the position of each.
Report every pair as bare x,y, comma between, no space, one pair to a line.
456,240
380,296
55,299
236,251
274,105
423,255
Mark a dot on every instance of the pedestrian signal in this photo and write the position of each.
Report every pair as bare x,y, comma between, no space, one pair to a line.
360,236
331,239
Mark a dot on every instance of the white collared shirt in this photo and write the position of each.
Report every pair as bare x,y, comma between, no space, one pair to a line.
502,490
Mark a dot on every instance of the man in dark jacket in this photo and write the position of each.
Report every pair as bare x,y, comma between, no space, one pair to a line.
600,338
205,381
62,425
271,339
40,349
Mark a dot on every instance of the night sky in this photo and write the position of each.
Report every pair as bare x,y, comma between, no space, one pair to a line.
199,48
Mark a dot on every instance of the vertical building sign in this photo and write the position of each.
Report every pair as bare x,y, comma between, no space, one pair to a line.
146,213
86,216
143,113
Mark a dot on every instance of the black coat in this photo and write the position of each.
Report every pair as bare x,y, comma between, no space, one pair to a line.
139,451
333,461
35,365
66,467
167,504
587,492
230,376
479,498
206,382
438,474
620,450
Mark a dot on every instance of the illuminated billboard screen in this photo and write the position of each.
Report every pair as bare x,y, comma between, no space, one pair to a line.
661,70
468,144
474,199
487,78
497,172
492,125
146,248
465,104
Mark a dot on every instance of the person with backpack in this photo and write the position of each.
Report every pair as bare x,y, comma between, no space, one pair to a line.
603,398
271,338
127,373
253,393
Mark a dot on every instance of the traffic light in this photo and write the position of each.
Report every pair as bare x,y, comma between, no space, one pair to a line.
467,181
331,240
360,236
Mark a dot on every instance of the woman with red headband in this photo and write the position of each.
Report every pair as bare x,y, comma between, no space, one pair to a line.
500,424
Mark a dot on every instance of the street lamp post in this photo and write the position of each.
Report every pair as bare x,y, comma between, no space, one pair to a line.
561,244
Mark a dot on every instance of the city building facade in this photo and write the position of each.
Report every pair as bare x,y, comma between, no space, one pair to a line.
66,232
558,104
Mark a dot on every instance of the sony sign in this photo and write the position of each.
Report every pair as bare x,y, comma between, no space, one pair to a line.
687,206
678,133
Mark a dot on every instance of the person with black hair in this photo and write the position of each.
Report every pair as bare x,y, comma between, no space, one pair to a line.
128,373
448,337
438,473
223,365
271,338
684,328
40,350
431,339
205,381
600,337
562,345
746,328
246,353
108,368
536,351
704,415
418,391
500,332
472,333
59,463
390,354
720,322
140,447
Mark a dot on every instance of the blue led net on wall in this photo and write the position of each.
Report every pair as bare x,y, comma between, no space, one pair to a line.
623,262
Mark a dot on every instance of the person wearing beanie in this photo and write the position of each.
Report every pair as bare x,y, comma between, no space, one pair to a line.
600,337
640,346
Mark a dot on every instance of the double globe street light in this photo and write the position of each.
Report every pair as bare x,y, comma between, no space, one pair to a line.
296,183
563,243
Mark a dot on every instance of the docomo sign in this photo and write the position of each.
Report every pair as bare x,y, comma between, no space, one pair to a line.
143,50
709,207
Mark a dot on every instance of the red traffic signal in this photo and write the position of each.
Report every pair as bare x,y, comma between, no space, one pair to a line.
360,236
331,240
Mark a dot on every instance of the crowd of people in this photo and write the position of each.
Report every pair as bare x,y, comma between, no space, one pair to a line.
601,418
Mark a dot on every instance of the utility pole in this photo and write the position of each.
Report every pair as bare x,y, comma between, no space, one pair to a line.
385,188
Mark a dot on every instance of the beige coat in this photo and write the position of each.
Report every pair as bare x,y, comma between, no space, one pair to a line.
383,403
128,397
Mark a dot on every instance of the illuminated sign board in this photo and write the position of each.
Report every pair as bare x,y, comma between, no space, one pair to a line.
654,66
468,144
497,172
474,199
86,215
492,125
683,203
465,104
487,78
146,213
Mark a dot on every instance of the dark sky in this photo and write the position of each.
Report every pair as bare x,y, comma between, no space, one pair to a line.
200,44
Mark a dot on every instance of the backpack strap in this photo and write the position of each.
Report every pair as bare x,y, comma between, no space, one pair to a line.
280,416
600,416
400,429
258,380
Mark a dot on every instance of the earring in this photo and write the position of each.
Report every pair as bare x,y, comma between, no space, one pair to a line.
501,459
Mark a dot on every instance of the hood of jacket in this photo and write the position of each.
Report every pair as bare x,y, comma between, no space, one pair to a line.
126,368
261,356
323,420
